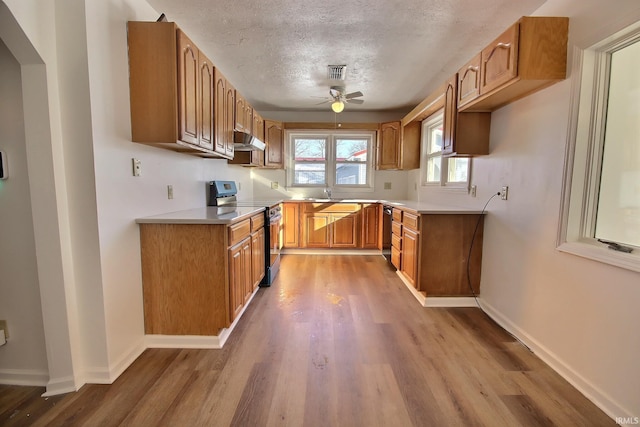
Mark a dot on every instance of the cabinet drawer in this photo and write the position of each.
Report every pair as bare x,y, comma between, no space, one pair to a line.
239,231
396,228
257,222
396,241
395,257
331,207
397,215
410,220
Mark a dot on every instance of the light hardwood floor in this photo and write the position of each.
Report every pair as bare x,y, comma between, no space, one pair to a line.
336,341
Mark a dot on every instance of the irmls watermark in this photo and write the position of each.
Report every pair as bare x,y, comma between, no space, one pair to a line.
627,421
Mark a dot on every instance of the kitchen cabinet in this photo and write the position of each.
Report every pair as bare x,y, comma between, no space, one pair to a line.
469,81
257,251
398,146
410,248
430,252
371,228
291,225
330,225
243,114
464,134
171,90
197,278
274,140
528,56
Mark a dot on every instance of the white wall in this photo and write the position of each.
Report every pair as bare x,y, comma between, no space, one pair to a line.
581,316
24,358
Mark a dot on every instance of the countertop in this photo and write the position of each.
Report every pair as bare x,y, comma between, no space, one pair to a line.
412,205
208,215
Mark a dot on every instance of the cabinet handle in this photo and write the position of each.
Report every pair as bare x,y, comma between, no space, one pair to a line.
499,45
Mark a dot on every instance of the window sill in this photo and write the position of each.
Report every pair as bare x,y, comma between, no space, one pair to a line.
602,254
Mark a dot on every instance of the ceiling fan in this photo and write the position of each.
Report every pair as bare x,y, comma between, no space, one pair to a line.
338,97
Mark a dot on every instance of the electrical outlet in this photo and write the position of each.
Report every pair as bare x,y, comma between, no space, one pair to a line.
3,326
169,192
239,186
137,167
474,190
504,193
274,185
387,186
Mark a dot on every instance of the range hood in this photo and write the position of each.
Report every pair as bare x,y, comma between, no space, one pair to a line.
243,141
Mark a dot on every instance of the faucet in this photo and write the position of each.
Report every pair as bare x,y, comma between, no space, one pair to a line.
327,191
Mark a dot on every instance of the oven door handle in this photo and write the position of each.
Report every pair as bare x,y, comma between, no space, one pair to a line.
275,218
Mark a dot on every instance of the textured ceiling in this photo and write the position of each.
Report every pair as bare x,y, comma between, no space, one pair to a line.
276,52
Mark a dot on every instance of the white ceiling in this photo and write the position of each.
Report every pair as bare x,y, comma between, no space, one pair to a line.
276,52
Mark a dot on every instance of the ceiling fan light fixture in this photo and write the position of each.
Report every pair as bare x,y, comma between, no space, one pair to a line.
337,106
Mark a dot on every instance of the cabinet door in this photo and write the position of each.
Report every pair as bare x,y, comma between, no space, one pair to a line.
274,138
247,272
257,130
499,60
409,259
469,81
450,115
316,230
291,223
257,257
248,117
239,113
344,230
370,226
229,120
188,89
220,111
207,98
236,284
388,153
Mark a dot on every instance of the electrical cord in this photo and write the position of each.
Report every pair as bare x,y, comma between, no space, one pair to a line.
473,238
475,296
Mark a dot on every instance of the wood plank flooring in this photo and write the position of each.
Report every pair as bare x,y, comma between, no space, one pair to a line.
336,341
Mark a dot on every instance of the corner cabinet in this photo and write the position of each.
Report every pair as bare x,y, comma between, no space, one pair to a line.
172,91
464,134
430,251
398,146
528,56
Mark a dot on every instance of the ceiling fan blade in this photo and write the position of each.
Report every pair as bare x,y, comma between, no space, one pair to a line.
355,101
324,102
353,95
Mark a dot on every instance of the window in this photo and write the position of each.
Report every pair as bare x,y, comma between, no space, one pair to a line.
437,170
602,173
340,160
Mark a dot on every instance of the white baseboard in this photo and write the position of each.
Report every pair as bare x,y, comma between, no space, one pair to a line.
437,301
110,374
28,377
590,391
62,385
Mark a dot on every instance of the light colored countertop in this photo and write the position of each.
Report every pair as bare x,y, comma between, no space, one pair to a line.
412,205
208,215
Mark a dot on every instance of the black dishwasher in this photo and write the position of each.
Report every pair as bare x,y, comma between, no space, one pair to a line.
387,212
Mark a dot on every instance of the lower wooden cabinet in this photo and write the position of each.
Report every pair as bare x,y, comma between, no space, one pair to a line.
197,278
431,251
371,227
291,225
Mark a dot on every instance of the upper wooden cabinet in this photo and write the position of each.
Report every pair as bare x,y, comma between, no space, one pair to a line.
224,107
464,134
274,140
243,114
172,90
398,146
528,56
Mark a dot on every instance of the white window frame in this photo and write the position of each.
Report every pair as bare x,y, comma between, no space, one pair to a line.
584,151
444,182
331,161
